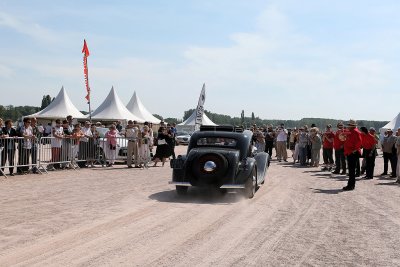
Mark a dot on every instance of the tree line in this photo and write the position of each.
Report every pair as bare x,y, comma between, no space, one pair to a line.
16,112
251,120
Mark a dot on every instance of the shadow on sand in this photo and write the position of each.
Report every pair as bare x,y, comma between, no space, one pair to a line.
327,191
199,196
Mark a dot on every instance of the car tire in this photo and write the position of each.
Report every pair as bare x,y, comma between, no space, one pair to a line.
181,190
219,159
251,184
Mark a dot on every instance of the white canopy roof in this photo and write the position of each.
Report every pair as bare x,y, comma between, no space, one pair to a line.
393,124
192,120
59,108
112,108
136,107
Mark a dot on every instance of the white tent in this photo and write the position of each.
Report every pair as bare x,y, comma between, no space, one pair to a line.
189,124
59,108
112,108
136,107
393,124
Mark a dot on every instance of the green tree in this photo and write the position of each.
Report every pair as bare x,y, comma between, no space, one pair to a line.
158,116
46,100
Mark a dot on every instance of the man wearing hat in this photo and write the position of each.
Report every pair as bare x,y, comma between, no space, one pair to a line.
389,153
327,147
338,145
352,150
369,148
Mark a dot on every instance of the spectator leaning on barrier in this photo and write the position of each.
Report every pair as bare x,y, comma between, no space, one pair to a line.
111,147
84,145
66,153
57,135
75,140
144,147
25,146
9,145
70,123
47,130
37,133
389,153
131,133
93,143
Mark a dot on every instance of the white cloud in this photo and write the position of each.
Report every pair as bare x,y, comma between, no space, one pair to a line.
6,72
27,27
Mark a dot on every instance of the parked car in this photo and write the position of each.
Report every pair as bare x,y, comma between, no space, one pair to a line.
222,157
182,138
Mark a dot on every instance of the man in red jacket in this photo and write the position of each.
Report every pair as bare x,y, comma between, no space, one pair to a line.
369,148
340,160
352,150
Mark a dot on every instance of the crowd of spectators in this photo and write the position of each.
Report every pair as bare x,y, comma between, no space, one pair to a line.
306,144
70,142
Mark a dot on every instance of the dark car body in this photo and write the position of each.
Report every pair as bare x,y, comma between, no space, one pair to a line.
222,157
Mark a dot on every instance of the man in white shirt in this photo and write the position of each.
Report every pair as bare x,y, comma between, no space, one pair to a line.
131,133
281,140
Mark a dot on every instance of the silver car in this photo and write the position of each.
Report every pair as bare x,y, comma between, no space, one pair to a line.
182,138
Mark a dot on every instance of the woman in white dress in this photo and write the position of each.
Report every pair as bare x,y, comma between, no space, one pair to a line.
144,147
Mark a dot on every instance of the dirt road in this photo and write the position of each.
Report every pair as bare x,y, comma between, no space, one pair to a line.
132,217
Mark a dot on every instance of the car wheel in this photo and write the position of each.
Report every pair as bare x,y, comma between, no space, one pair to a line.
251,184
181,190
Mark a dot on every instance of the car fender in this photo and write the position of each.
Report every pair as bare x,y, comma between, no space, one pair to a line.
245,170
262,160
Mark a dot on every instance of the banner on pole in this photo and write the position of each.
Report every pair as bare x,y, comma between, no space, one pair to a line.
85,51
200,108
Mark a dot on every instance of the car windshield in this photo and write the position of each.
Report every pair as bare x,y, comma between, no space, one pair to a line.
216,141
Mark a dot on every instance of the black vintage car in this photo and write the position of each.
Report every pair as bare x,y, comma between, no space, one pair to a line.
222,157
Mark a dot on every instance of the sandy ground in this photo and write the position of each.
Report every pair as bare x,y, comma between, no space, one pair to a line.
133,217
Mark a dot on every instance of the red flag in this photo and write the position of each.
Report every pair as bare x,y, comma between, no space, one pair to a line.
85,51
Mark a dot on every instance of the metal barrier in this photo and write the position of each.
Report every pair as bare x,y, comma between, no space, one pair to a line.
51,153
54,154
19,153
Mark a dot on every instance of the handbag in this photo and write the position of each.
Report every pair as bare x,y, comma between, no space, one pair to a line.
161,142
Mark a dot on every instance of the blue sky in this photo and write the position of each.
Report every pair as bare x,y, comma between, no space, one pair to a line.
279,59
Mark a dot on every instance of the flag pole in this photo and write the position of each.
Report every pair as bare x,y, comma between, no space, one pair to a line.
85,51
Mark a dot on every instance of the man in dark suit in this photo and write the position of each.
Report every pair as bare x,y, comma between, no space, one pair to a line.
9,145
